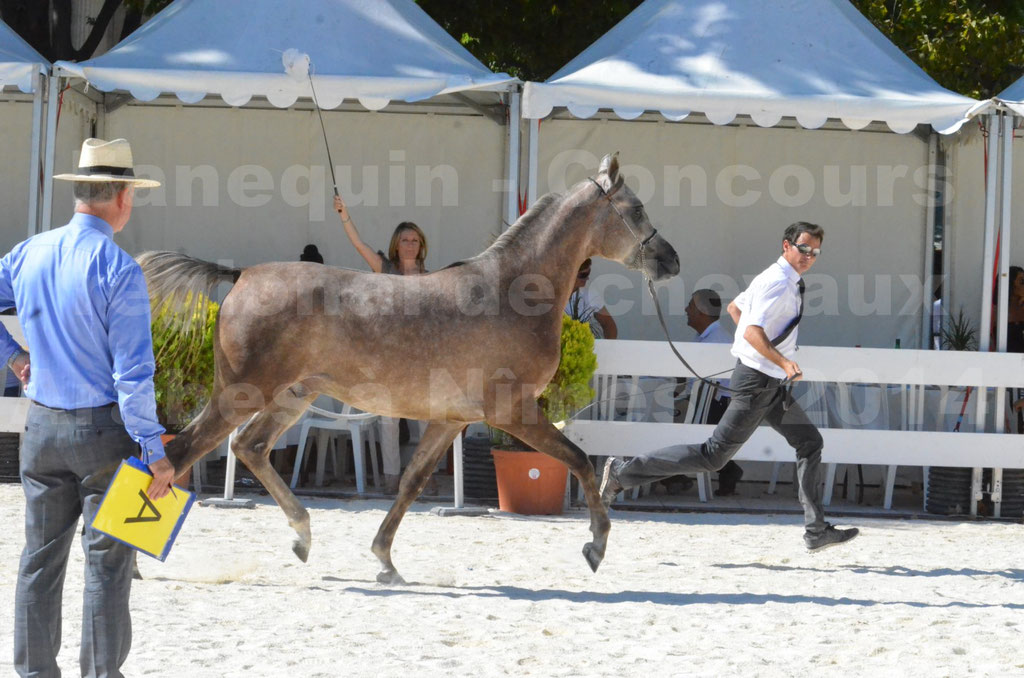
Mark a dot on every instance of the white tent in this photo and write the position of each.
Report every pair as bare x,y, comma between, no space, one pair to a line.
764,74
810,59
372,52
23,68
1013,97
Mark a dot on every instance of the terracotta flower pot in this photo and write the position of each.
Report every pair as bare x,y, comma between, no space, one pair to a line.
529,483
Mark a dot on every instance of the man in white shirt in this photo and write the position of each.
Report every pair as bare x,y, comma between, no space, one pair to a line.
770,307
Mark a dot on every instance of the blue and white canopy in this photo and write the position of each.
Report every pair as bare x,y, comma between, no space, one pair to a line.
18,61
373,51
809,59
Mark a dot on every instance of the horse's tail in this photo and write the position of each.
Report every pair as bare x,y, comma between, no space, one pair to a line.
182,284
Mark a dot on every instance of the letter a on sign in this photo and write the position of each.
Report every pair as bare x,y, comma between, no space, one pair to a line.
146,504
130,516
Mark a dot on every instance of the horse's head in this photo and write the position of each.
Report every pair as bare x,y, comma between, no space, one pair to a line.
627,233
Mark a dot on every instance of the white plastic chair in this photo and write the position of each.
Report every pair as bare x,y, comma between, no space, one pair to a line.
348,420
701,396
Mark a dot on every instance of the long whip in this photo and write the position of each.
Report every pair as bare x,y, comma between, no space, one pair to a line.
323,129
297,65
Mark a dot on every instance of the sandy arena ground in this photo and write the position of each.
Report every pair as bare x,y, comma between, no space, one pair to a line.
503,595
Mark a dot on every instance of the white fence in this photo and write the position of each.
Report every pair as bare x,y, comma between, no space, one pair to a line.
912,369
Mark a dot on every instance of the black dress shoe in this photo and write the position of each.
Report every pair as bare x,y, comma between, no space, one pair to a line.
830,537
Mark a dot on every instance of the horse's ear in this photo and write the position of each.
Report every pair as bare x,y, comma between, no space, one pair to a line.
610,169
610,166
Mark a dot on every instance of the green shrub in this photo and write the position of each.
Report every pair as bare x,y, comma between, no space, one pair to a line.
569,389
184,364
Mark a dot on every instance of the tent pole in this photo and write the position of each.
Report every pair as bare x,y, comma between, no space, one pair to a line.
928,283
533,141
51,143
512,173
39,83
1006,173
984,331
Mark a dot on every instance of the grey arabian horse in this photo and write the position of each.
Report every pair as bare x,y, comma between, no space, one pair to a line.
478,340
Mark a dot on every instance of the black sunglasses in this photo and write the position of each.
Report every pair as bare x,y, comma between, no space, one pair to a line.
806,249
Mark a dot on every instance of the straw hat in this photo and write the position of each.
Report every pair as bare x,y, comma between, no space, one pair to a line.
107,161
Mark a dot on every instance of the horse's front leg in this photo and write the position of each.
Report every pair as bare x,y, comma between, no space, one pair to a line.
544,437
436,439
253,446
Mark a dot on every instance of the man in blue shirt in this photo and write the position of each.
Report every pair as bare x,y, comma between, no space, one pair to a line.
83,306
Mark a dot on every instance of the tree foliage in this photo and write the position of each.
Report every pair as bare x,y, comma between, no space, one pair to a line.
46,25
974,47
529,39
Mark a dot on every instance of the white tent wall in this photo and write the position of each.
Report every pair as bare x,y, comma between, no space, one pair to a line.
965,225
16,132
251,185
77,122
750,184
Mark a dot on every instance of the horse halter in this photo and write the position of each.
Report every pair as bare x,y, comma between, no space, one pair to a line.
638,260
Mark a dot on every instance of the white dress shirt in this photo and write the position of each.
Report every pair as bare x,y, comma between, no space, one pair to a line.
771,302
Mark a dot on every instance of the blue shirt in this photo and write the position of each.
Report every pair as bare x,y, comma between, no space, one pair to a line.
84,309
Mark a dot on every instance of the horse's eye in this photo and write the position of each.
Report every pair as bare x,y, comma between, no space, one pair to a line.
638,212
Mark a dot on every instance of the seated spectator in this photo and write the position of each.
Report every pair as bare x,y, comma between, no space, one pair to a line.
584,307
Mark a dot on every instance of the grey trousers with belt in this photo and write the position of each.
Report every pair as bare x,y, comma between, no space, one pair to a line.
756,398
67,460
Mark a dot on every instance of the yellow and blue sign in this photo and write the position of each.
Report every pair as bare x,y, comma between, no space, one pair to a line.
129,515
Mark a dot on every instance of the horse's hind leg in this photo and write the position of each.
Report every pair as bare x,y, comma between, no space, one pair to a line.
544,437
253,446
436,439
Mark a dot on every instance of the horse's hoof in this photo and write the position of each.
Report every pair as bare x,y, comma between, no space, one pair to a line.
301,549
390,577
593,556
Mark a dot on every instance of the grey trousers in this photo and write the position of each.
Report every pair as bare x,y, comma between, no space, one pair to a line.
749,406
67,460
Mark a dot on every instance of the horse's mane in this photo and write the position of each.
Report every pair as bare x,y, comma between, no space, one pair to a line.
524,222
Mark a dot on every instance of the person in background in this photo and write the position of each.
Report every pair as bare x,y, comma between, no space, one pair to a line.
767,315
311,254
1015,335
584,307
406,255
84,309
703,315
407,250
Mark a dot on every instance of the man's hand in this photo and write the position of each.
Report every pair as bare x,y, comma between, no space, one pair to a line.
793,372
21,367
163,476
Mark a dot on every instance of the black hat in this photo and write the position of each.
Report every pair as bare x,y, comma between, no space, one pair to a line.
311,253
